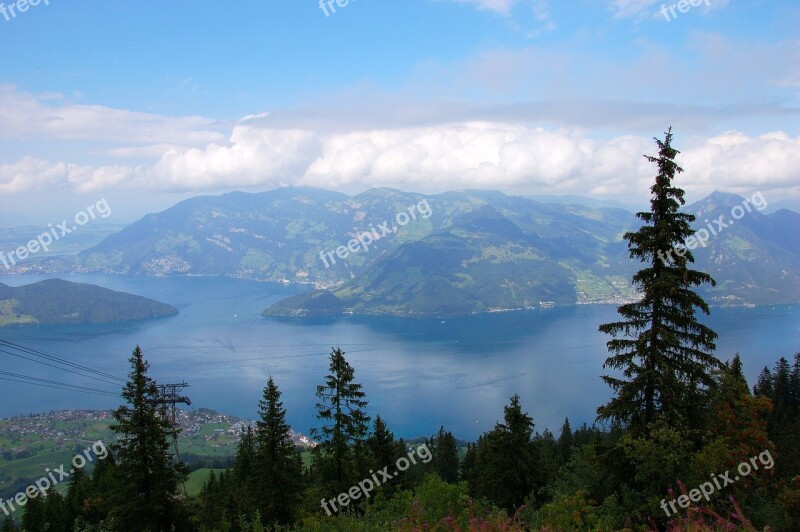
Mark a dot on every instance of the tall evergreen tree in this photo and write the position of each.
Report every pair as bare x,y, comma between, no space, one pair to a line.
77,493
505,463
782,387
345,423
384,451
35,516
277,478
148,479
565,442
445,455
468,466
664,353
211,510
55,514
241,500
764,383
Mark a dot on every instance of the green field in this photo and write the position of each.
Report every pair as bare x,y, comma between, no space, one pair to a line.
197,479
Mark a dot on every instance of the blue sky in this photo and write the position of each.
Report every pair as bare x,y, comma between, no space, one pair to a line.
146,103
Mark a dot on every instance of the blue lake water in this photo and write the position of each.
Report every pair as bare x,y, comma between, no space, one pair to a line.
418,374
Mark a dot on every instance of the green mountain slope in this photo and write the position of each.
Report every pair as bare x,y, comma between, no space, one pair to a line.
57,301
471,251
755,258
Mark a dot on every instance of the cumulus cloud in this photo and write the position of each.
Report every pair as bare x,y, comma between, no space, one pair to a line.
472,154
736,162
31,173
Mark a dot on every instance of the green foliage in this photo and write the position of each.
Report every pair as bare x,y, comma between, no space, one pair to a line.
338,458
147,479
782,387
565,442
275,480
8,525
58,301
506,462
444,449
664,353
35,516
384,450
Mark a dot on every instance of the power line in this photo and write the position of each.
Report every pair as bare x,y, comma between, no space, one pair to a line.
47,383
57,367
60,360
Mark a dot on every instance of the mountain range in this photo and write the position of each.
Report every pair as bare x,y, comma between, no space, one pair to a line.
390,252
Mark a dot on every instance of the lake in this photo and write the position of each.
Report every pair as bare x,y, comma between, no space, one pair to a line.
417,374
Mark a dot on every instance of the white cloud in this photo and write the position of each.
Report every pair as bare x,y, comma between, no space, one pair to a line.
28,116
481,154
31,173
736,162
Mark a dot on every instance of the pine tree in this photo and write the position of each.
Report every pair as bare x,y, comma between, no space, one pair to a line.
445,456
211,513
384,450
278,466
737,427
76,495
35,516
54,513
241,498
764,383
341,409
794,385
148,480
468,465
665,355
505,465
565,442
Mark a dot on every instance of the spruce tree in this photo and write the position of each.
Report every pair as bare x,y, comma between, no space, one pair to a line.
241,499
211,498
664,354
277,480
77,493
565,442
505,463
445,456
384,451
35,516
54,513
148,479
341,409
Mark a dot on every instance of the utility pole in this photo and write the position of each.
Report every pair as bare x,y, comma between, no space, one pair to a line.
168,398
